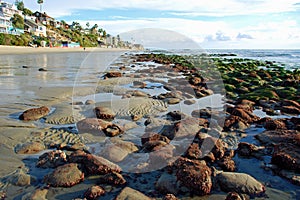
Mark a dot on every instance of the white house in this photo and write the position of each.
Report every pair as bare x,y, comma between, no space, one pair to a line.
37,29
4,23
9,10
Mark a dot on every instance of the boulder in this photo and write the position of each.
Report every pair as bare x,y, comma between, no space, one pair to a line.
130,194
113,74
170,197
94,192
194,175
167,184
113,179
114,153
104,113
93,164
52,159
274,124
92,125
20,178
38,194
99,127
30,148
290,110
34,113
149,136
287,156
240,183
65,176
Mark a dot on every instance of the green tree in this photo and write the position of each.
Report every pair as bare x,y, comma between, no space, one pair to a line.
104,34
40,2
18,21
87,24
20,5
27,12
94,28
63,23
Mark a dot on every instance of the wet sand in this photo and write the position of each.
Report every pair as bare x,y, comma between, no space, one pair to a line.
28,50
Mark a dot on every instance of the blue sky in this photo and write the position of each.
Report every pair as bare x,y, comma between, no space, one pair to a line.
211,24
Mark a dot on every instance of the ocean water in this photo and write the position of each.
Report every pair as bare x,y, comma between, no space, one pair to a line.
289,58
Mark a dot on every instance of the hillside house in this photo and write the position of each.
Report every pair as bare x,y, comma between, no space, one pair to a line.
37,29
44,19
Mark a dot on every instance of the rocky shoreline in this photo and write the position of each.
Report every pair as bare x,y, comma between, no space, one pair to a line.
160,138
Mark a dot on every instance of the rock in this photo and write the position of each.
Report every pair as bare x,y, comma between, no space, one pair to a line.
52,159
113,130
274,124
38,194
65,176
185,128
113,179
277,136
30,148
130,147
193,152
94,192
139,84
235,196
20,178
167,184
240,183
153,146
130,194
113,74
287,156
92,125
196,176
247,150
99,127
172,101
104,113
235,122
290,103
93,164
227,164
246,115
34,113
89,102
170,197
290,110
114,153
149,136
136,117
208,144
42,70
138,93
162,156
189,102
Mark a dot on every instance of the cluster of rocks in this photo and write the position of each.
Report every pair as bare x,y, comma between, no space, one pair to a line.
190,152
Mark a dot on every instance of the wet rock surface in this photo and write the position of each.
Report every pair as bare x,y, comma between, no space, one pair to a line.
34,113
196,176
240,183
65,176
94,192
93,164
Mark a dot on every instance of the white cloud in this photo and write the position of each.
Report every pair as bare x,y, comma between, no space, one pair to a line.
284,33
58,8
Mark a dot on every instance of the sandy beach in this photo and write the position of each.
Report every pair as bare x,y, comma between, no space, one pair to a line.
148,114
26,50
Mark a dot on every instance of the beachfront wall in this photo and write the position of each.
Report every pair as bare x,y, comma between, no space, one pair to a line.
70,44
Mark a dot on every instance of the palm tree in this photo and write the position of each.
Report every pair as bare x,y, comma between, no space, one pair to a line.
40,2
